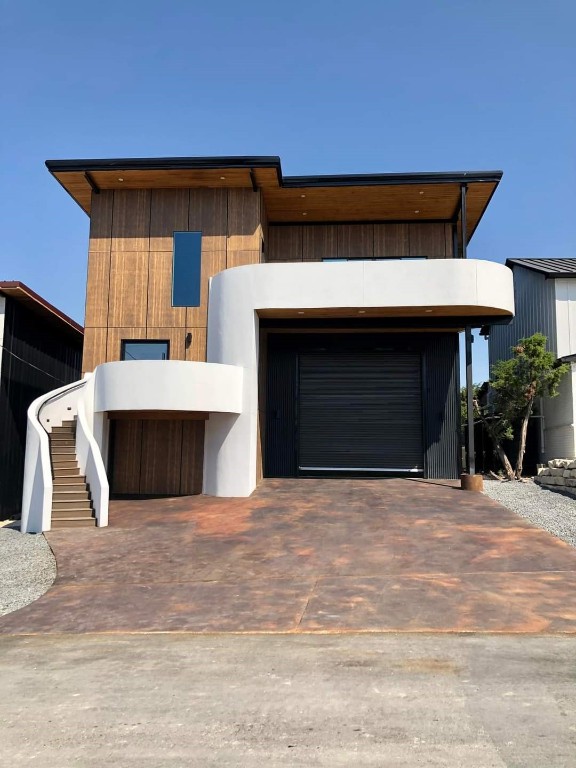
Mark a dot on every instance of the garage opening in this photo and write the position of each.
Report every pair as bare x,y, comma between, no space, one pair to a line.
343,405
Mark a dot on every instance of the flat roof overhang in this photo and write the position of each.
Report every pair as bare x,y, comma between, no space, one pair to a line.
48,312
418,197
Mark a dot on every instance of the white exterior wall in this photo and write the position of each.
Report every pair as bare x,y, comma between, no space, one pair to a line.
565,295
236,295
559,420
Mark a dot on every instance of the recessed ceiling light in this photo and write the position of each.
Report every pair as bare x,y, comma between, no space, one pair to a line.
428,310
304,214
361,311
420,193
222,178
302,195
120,179
416,211
300,313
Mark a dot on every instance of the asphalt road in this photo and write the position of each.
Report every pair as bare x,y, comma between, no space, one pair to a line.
155,700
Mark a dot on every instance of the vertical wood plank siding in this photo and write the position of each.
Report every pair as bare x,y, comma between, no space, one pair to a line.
129,286
315,242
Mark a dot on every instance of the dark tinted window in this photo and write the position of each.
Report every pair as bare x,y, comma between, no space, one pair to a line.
186,267
144,350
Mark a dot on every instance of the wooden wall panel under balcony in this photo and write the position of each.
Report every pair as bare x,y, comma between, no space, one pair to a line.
212,263
131,220
319,242
168,214
101,221
160,312
128,288
97,289
284,244
192,457
392,240
244,223
355,241
197,349
127,454
240,258
428,239
449,240
161,457
209,214
95,341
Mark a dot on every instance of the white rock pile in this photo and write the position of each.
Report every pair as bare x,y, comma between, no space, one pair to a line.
559,472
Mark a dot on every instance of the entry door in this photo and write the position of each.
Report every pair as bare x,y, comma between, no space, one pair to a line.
359,411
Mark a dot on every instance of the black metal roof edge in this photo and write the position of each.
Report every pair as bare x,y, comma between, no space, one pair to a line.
272,161
381,179
511,263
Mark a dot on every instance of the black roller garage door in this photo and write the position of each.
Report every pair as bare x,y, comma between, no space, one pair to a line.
359,411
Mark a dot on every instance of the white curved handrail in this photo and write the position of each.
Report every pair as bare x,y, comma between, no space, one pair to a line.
92,466
38,485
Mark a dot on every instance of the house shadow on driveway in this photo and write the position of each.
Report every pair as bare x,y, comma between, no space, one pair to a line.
317,556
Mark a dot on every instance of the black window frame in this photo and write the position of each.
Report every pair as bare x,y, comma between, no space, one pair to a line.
141,342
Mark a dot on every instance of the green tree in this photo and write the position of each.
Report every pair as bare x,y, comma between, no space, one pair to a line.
516,383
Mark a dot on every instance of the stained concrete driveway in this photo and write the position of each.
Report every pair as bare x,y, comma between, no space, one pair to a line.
309,556
402,701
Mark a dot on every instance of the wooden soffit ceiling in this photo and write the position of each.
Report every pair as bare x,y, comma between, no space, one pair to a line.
289,200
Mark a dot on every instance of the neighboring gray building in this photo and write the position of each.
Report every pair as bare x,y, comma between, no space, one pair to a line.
545,299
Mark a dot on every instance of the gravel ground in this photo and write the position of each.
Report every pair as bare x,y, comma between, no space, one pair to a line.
27,568
549,510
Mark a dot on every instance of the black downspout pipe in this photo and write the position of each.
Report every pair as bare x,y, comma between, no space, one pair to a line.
470,447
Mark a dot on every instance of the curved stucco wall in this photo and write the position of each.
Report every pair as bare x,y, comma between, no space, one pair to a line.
175,385
237,294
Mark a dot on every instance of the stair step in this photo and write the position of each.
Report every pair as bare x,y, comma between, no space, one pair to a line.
60,473
72,505
74,522
62,432
62,450
64,514
76,494
68,483
62,440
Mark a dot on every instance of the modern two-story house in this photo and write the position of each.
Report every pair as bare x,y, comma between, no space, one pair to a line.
545,296
243,324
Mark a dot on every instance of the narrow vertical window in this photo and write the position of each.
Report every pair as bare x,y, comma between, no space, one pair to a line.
186,268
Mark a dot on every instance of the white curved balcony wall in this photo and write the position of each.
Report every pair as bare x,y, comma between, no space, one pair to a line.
171,385
471,287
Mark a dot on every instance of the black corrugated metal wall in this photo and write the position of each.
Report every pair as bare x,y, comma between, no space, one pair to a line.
36,359
330,397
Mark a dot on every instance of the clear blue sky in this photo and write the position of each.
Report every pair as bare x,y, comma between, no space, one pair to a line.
330,86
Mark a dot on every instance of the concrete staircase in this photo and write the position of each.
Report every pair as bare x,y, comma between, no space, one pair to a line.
71,502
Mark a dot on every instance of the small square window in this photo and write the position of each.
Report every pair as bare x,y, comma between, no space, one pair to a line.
144,349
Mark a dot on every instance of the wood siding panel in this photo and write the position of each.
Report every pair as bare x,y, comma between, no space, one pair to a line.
176,337
284,244
95,340
128,288
115,338
192,457
319,242
97,289
197,348
168,214
240,258
160,312
126,459
209,214
356,241
161,457
428,240
131,220
449,240
212,263
101,221
391,241
244,225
